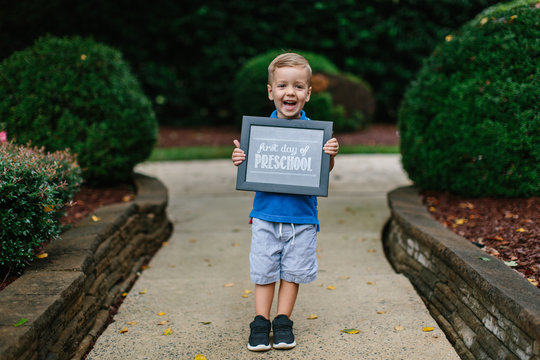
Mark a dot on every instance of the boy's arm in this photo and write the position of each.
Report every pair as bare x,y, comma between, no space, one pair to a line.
238,155
331,148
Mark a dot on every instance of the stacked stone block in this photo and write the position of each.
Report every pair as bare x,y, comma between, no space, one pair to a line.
487,310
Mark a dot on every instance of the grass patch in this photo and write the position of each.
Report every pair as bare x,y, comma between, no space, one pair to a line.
225,152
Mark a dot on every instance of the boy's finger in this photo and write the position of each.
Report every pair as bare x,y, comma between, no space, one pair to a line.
236,143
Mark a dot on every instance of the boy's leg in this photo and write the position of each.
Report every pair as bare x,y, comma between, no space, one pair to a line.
286,297
264,294
259,337
282,325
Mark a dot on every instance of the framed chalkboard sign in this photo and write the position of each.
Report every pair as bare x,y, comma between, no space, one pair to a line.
284,156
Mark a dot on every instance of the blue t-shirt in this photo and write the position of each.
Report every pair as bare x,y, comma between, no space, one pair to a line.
285,208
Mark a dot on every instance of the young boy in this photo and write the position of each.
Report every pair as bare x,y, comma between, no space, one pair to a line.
284,226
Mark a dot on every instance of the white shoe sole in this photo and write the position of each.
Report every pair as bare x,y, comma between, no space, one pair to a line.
284,346
260,347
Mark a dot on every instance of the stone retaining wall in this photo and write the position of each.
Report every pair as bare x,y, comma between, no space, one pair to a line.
487,310
67,296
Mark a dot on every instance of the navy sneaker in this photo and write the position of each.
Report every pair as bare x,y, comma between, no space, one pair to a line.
283,335
259,338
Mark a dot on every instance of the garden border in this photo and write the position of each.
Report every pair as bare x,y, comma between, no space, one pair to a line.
486,309
67,296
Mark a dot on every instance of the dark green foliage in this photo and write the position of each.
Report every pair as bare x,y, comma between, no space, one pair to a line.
470,123
329,100
186,53
78,94
34,187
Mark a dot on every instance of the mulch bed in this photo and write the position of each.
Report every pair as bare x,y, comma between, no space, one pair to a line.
507,228
169,136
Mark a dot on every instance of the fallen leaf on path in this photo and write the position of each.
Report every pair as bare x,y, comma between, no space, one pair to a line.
312,317
484,258
511,263
124,330
247,291
350,331
371,251
244,296
205,322
399,328
20,322
193,241
124,294
200,357
164,322
95,218
229,285
235,244
161,313
165,243
533,281
381,312
428,329
168,331
143,291
371,282
131,323
331,287
42,255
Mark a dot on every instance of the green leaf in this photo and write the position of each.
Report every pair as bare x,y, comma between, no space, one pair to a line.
20,322
484,258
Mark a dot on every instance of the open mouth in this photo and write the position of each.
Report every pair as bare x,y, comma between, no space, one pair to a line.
289,104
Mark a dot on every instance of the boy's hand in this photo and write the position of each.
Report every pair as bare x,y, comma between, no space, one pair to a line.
331,147
238,155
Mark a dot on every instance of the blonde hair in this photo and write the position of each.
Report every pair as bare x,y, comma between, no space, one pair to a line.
288,59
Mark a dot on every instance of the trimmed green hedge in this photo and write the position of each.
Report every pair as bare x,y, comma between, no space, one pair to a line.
79,94
34,187
470,123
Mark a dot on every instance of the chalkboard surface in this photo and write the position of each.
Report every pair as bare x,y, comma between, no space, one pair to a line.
284,156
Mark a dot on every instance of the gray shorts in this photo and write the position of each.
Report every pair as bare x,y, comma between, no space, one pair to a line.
283,251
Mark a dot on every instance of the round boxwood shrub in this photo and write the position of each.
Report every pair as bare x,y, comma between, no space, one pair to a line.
79,94
328,101
470,123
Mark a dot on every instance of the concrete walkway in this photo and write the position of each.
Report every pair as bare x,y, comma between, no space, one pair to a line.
200,280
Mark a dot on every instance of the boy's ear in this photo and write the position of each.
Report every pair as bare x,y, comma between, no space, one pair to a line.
308,93
270,95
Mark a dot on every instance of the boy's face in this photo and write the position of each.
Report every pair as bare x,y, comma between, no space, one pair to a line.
289,90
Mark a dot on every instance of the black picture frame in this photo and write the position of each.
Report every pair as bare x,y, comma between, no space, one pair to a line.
284,156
